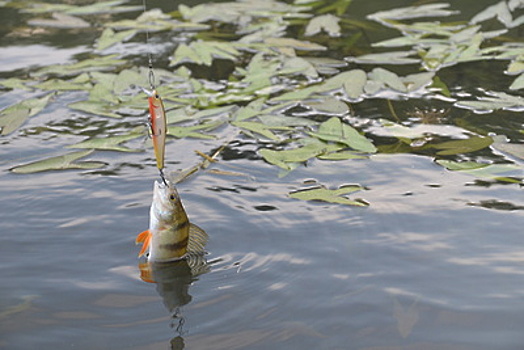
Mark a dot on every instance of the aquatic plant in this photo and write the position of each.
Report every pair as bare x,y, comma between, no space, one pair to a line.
288,75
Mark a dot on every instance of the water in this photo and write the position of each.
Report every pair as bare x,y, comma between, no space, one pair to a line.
435,262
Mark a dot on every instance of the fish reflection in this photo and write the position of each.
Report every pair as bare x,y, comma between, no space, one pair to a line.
173,280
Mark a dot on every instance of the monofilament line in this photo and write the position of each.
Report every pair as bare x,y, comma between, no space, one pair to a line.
151,74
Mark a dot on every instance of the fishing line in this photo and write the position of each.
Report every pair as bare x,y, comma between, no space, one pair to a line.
151,73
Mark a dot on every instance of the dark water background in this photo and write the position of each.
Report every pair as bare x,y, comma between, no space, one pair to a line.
436,261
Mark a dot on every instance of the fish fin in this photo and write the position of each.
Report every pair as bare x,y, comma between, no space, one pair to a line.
197,240
145,239
145,272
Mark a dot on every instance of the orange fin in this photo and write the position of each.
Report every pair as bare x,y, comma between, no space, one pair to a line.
145,239
145,272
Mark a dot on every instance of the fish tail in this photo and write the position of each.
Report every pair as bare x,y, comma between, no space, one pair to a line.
145,239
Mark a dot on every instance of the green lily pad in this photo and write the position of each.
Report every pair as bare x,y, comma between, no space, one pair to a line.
387,78
294,43
286,159
461,146
330,196
101,63
193,131
327,23
66,161
430,10
95,107
494,100
60,20
15,83
395,57
336,131
261,129
12,117
490,171
342,155
111,143
109,38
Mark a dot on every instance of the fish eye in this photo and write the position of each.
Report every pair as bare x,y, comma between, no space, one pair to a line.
172,197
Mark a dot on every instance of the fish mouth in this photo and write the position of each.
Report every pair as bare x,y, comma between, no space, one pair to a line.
164,193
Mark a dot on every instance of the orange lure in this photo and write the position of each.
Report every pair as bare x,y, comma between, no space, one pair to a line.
158,122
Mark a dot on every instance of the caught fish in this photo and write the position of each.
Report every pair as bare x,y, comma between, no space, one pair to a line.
158,123
170,235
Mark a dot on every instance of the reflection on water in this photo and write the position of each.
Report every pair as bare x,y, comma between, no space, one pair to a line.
172,284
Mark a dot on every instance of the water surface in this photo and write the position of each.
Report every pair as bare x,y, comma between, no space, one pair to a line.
435,261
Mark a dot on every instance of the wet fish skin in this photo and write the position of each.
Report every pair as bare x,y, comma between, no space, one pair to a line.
170,235
158,123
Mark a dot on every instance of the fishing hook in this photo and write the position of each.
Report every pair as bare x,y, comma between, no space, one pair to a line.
163,176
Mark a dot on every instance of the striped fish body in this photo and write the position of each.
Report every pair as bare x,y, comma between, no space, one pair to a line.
158,122
170,235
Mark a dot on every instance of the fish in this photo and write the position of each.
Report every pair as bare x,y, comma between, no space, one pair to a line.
170,236
158,123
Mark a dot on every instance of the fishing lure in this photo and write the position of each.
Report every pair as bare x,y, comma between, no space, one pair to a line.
158,124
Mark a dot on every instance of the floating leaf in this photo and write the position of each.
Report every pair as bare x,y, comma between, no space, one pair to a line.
330,196
354,85
495,100
336,131
100,63
501,144
111,143
286,158
60,21
400,57
298,65
518,83
109,37
260,128
294,43
388,78
431,10
192,131
15,83
66,161
13,120
95,107
327,23
62,85
328,105
96,8
461,146
499,11
12,117
491,171
342,155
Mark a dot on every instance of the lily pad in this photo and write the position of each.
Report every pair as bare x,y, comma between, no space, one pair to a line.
111,143
109,38
330,196
461,146
490,171
12,117
66,161
286,159
327,23
60,20
494,100
261,129
193,131
336,131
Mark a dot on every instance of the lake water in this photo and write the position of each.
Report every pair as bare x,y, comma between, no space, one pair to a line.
435,262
